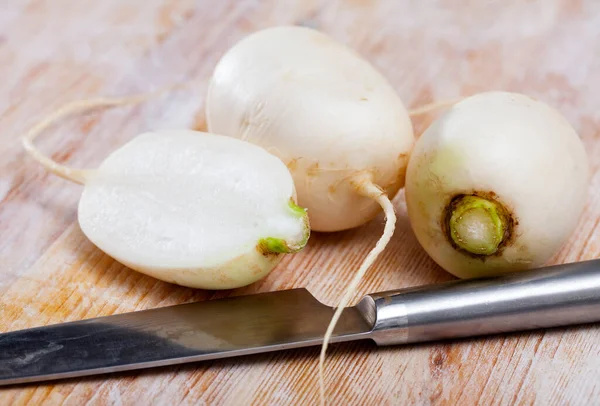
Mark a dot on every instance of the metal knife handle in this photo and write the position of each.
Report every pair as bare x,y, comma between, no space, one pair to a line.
548,297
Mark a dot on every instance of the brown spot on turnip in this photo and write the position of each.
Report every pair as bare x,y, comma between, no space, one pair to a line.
270,255
402,157
313,169
292,165
262,250
200,122
255,269
224,279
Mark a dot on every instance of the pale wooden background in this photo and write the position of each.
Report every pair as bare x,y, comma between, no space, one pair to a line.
52,52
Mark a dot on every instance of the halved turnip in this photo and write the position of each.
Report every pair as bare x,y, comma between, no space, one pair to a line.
187,207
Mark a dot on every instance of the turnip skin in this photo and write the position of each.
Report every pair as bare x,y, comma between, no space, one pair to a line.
322,109
238,272
516,153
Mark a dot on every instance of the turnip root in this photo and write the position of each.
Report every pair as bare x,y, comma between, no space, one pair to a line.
187,207
497,184
330,116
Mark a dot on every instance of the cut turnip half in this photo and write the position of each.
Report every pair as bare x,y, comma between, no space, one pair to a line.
191,208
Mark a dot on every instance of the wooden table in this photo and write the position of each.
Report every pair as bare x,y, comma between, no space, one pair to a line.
52,52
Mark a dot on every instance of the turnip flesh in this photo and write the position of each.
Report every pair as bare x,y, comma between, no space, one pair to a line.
191,208
196,209
495,185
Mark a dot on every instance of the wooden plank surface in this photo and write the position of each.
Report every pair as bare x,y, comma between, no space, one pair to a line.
56,51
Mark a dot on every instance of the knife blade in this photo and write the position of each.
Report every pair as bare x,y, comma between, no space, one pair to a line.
171,335
554,296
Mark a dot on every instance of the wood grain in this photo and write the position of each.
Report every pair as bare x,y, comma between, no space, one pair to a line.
56,51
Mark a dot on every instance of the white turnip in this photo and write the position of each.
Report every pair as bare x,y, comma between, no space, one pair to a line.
326,112
497,184
187,207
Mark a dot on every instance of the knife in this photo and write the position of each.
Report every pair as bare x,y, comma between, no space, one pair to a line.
553,296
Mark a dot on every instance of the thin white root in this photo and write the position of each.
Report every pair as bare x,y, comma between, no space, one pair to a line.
417,111
72,174
367,189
